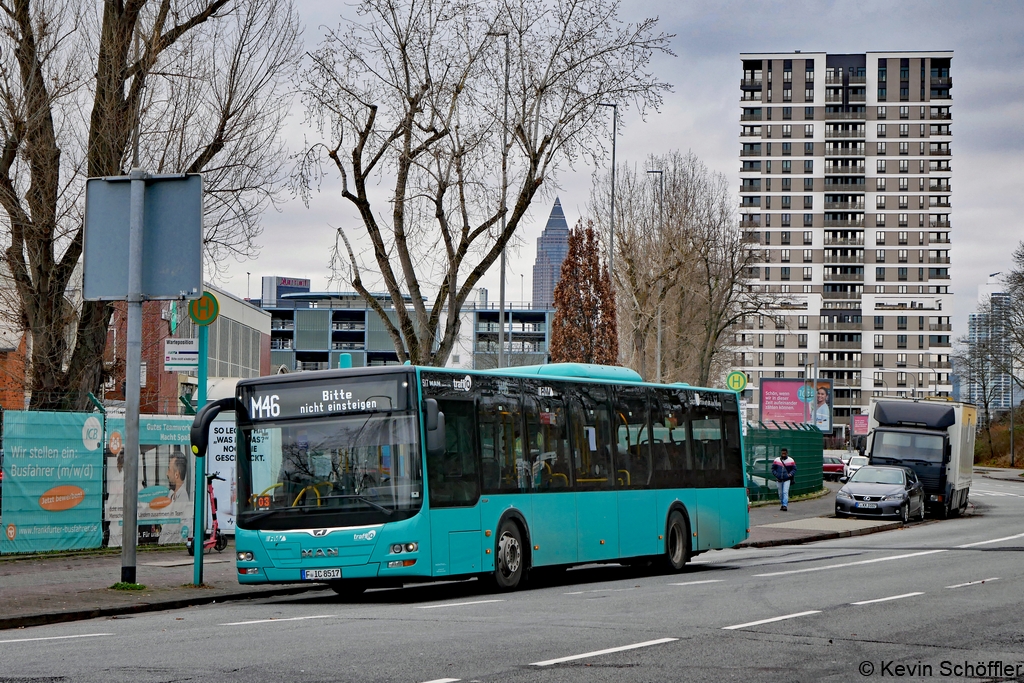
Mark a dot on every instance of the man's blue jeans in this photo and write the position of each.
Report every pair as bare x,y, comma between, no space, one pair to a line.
784,492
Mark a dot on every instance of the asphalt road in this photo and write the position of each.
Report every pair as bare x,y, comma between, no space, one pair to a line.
935,596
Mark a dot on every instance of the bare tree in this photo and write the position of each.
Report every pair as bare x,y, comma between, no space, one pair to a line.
684,261
413,90
195,85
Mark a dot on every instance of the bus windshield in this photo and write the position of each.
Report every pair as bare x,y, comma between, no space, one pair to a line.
338,471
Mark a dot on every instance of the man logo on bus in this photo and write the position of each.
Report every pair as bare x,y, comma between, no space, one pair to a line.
463,384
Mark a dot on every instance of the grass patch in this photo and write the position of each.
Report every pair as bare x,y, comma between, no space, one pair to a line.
125,586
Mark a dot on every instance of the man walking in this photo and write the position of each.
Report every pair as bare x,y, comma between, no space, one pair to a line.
784,471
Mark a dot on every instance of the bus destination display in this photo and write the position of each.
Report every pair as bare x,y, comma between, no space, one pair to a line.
334,397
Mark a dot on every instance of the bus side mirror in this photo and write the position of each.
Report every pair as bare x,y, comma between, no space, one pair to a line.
199,435
434,428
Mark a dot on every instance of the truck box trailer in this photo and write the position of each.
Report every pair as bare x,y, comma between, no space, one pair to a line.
935,438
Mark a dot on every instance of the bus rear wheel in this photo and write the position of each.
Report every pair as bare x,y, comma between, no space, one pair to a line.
677,543
508,557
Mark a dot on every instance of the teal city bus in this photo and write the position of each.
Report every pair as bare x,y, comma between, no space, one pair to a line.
387,475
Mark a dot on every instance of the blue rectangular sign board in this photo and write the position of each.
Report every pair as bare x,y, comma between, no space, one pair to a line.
53,481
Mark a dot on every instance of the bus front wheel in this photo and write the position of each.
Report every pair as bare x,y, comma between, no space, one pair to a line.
677,543
508,558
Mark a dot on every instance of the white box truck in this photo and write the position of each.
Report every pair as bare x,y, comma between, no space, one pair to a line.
933,437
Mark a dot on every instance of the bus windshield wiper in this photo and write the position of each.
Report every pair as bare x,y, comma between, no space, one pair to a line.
364,499
256,516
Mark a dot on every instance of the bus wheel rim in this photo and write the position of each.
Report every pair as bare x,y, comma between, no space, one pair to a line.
509,554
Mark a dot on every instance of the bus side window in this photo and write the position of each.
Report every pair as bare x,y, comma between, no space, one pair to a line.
669,445
633,442
452,477
548,439
592,439
706,427
733,465
501,444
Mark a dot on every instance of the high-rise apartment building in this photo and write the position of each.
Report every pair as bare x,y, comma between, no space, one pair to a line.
845,198
985,381
552,248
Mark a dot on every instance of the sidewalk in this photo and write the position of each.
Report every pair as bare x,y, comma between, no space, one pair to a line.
807,521
73,586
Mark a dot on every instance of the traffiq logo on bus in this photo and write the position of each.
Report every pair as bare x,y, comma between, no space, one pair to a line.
465,384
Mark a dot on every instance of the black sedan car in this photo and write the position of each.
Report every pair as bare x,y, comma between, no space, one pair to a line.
879,491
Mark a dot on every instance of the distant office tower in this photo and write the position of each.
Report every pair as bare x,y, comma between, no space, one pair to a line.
552,247
984,376
845,200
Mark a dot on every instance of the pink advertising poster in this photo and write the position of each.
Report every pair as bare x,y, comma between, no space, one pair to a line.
860,425
797,401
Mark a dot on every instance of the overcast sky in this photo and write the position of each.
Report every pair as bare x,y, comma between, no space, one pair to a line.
702,114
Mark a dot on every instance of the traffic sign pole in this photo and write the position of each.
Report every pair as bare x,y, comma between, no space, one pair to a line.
203,312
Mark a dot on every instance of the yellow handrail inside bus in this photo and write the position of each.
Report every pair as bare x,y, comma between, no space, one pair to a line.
315,490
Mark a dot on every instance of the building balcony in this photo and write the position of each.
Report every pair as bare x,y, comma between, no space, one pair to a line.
943,225
941,117
857,98
276,325
834,80
750,117
844,206
938,259
943,82
309,366
348,346
940,328
844,151
849,223
845,116
750,188
281,345
940,365
825,363
746,223
940,152
844,241
834,96
842,327
840,345
348,327
750,134
843,277
856,133
750,82
844,170
858,80
840,295
940,188
849,258
750,153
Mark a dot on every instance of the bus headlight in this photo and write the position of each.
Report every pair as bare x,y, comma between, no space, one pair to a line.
404,547
244,556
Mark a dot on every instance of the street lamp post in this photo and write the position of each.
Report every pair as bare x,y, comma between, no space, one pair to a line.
504,193
611,223
661,226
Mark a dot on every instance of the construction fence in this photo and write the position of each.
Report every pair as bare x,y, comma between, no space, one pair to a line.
764,443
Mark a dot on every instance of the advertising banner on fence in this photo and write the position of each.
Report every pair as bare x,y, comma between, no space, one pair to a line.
53,481
797,401
220,460
165,483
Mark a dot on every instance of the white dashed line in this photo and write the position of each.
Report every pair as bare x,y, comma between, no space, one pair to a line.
610,650
768,621
601,590
457,604
267,621
443,680
695,583
860,562
891,597
84,635
994,540
973,583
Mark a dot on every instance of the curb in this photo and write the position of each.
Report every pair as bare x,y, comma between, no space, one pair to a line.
822,536
177,603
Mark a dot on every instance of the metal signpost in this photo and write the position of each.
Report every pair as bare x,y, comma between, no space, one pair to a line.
203,312
143,240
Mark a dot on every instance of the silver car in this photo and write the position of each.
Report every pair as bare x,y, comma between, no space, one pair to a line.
881,491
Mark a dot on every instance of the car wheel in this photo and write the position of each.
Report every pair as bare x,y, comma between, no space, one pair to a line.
905,513
508,557
677,543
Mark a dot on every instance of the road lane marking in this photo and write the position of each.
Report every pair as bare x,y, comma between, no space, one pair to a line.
891,597
443,680
994,540
768,621
973,583
601,590
84,635
622,648
457,604
860,562
694,583
267,621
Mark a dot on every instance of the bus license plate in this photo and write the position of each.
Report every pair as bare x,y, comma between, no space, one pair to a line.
320,574
866,505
